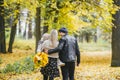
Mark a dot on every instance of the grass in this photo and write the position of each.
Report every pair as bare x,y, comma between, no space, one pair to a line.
95,62
0,60
101,45
25,65
23,44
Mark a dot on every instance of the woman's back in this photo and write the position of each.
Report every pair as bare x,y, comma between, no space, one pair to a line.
48,45
51,43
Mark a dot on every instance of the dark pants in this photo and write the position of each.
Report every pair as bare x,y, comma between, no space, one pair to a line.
45,77
68,71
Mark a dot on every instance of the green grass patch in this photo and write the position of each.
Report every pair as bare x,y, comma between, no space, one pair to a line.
101,45
23,44
25,65
0,60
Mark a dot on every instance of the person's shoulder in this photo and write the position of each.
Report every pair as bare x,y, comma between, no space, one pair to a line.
62,39
46,41
70,37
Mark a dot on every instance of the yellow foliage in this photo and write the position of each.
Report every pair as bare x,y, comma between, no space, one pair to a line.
108,1
40,59
101,8
5,4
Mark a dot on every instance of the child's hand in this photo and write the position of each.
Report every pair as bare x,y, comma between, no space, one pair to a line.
45,50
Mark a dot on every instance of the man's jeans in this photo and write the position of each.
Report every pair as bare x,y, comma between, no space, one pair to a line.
68,71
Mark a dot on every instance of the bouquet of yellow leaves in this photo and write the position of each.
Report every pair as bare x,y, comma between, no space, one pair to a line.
40,59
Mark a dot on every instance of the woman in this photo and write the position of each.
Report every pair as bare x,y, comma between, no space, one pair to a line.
50,71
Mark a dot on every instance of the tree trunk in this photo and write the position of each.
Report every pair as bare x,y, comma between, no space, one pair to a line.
87,37
12,37
45,28
2,29
13,31
19,29
81,38
24,34
98,33
47,16
116,37
55,19
95,38
30,29
38,28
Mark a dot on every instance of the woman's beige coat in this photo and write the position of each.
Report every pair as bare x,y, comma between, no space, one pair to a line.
51,43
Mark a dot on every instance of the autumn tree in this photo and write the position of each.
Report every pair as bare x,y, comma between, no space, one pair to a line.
68,13
46,17
13,28
2,28
14,7
38,26
116,37
30,29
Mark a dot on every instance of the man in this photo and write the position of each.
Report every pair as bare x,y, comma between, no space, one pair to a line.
68,51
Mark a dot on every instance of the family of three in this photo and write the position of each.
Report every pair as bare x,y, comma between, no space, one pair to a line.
66,49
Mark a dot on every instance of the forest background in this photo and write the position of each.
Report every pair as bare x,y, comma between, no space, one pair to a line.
95,24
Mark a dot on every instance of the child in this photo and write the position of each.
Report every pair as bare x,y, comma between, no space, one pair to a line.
45,37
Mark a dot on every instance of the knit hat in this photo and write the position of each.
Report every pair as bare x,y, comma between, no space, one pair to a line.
64,30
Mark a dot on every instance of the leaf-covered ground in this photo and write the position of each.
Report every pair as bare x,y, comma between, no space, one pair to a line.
94,66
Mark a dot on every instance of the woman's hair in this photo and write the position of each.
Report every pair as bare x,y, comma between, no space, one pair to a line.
54,38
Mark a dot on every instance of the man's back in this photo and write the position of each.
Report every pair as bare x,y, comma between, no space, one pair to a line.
68,52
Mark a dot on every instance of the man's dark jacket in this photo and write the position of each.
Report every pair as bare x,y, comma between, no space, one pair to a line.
68,49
